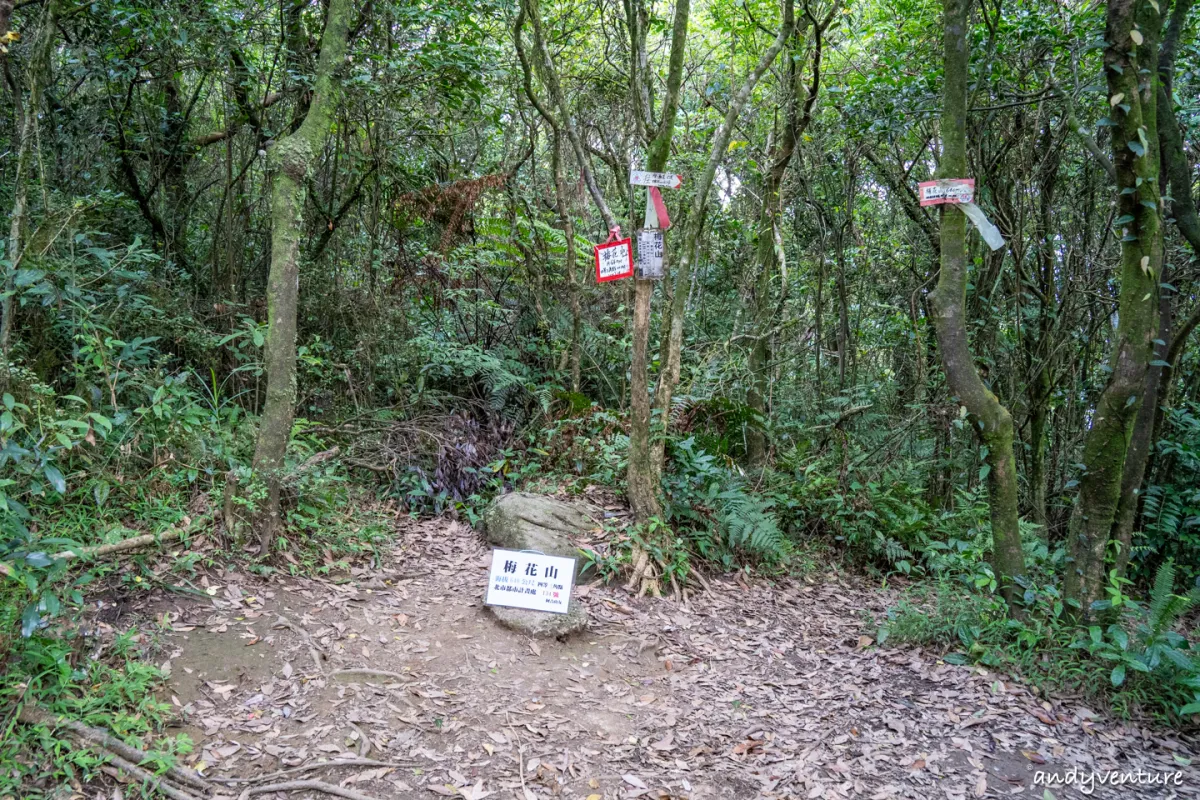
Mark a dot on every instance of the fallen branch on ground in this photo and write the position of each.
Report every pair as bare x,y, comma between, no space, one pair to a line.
145,540
299,786
31,715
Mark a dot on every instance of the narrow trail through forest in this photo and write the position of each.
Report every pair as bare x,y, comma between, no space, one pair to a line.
749,691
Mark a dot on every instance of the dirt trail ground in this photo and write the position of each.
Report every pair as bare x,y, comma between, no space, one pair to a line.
760,691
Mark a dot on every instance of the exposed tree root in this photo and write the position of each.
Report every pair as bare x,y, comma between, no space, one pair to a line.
348,762
644,577
370,673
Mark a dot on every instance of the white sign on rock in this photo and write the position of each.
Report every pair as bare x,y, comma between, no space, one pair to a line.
526,579
665,180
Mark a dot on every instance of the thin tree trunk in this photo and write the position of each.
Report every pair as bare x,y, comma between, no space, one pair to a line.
1174,166
669,376
991,420
1132,77
25,122
292,159
641,477
769,253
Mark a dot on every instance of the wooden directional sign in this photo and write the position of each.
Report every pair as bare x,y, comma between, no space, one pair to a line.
665,180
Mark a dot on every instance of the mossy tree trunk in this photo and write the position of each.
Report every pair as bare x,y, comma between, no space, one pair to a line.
990,419
292,160
769,254
1130,66
25,123
1176,171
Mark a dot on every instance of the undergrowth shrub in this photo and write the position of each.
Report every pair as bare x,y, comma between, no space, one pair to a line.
1137,662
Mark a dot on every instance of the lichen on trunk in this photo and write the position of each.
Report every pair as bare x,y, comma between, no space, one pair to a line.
991,420
291,159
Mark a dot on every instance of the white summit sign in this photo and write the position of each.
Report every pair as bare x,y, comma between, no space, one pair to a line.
532,580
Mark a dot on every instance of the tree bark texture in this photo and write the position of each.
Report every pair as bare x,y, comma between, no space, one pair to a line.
292,160
1132,79
990,419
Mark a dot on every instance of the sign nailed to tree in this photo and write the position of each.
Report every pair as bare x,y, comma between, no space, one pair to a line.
951,190
526,579
650,254
666,180
614,260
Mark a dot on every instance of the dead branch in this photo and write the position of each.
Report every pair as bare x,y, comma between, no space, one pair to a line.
32,715
311,462
133,543
299,786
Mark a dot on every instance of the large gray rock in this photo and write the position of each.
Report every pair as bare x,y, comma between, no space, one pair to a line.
542,623
523,521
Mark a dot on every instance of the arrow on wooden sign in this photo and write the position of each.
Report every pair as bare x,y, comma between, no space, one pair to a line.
666,180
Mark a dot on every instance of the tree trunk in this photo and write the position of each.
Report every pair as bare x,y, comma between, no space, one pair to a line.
1141,441
292,159
641,476
25,122
991,420
1132,78
669,376
769,253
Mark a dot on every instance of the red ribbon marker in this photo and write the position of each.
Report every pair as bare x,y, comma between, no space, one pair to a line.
660,208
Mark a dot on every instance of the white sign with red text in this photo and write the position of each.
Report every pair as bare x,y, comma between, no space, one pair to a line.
950,190
535,581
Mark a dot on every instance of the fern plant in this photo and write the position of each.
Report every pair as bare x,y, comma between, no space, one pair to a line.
1155,648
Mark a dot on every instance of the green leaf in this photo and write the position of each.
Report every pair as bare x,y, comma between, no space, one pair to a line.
881,636
39,559
56,478
1118,675
1190,708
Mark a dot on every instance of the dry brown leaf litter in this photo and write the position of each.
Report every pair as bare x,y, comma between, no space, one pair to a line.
750,691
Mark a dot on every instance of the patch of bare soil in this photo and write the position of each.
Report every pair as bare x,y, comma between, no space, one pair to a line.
749,691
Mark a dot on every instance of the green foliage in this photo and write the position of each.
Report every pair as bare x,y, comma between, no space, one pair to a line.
711,502
1139,662
110,683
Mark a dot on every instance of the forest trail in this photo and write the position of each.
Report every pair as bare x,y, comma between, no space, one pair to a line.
752,691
